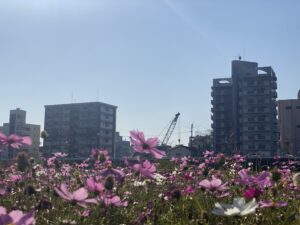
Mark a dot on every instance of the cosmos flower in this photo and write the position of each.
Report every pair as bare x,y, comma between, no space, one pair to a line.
117,174
296,179
140,144
146,169
114,200
79,196
188,190
252,192
15,177
262,180
16,217
238,208
100,154
60,154
271,204
93,186
208,153
214,185
14,140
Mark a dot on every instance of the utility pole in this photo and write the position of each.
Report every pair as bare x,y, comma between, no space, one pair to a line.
191,137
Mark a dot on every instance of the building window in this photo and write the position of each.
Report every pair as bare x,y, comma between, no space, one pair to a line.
250,119
298,107
250,110
288,107
251,137
298,126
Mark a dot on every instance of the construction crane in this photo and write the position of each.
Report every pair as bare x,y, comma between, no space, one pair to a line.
170,130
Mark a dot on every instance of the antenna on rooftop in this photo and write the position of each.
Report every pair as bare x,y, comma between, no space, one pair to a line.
244,52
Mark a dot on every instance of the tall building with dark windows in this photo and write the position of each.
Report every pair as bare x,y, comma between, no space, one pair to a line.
78,127
244,111
222,115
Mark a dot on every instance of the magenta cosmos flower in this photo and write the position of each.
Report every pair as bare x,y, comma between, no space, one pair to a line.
140,144
146,169
252,192
214,185
79,196
14,140
16,217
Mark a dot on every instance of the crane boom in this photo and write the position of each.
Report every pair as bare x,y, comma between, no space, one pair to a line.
170,130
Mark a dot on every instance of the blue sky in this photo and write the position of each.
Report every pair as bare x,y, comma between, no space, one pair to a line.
151,58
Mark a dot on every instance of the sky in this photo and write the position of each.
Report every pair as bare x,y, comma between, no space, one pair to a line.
150,58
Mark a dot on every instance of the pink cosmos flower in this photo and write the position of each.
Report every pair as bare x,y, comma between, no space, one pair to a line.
100,154
271,204
51,161
147,146
60,154
14,140
214,185
208,153
238,158
79,196
118,174
15,178
3,191
114,200
16,217
188,190
146,169
93,186
262,180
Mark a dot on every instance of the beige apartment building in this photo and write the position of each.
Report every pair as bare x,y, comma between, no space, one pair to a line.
289,125
17,125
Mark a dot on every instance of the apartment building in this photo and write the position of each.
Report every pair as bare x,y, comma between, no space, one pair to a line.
76,128
244,111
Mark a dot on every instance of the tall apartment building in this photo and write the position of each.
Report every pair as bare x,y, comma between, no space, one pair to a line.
17,125
245,111
222,115
289,126
78,127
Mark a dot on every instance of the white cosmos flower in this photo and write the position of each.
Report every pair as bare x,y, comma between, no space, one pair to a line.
159,178
139,183
238,208
296,179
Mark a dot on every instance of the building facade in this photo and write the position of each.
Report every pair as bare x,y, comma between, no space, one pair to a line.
17,125
289,126
222,116
200,143
78,127
245,111
123,148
